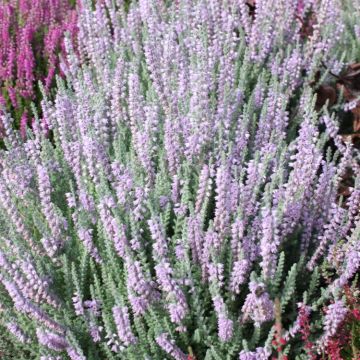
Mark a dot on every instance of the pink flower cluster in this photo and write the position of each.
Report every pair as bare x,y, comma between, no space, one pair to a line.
31,39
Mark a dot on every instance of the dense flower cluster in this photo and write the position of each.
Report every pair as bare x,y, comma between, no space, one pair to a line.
31,38
181,199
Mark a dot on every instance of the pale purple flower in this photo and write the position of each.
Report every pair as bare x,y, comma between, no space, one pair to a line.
56,223
51,340
25,306
178,307
95,332
78,305
158,235
142,290
177,310
203,192
74,354
93,306
19,178
122,322
351,267
331,230
15,330
71,201
195,237
225,326
13,213
269,244
238,275
334,317
258,306
113,229
216,273
139,203
184,153
169,346
222,198
52,246
180,252
85,235
34,286
259,354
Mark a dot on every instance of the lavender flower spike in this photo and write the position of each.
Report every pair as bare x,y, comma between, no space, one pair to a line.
122,321
170,347
258,306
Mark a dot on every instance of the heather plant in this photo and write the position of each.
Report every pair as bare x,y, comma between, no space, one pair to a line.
31,39
181,199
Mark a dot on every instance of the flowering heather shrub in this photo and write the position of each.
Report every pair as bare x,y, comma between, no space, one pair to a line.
31,37
187,205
